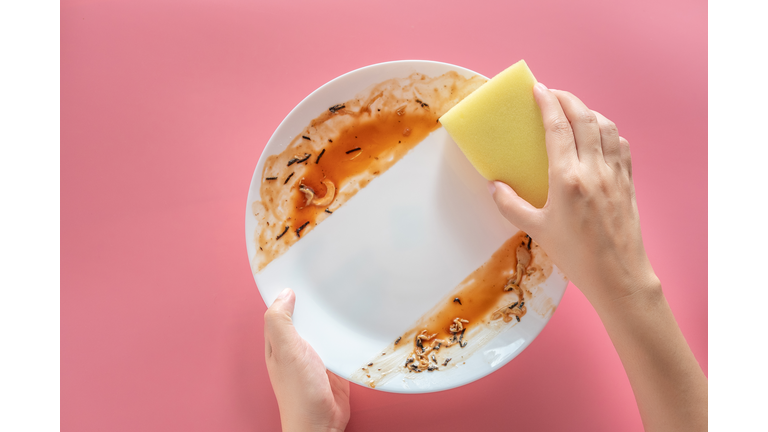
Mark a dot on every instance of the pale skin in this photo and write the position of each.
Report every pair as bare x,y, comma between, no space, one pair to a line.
591,229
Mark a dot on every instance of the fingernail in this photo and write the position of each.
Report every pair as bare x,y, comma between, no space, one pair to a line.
541,86
491,187
283,294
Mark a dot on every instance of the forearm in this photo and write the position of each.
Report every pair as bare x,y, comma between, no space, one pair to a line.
295,424
668,383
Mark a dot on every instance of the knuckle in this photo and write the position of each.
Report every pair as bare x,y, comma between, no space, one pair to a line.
626,155
271,316
572,183
587,117
615,164
603,184
609,127
560,126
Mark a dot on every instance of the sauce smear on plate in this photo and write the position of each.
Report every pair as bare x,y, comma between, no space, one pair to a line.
344,149
494,297
368,145
481,292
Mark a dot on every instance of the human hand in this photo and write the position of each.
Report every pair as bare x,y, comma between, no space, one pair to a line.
310,397
590,225
591,229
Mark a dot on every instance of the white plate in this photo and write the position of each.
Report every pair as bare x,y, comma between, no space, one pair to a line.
429,222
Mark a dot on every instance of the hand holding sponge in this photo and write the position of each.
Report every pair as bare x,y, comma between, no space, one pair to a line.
500,130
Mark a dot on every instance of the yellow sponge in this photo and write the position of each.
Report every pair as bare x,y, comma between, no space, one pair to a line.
499,129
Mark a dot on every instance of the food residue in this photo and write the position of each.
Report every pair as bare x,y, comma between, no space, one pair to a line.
344,149
484,304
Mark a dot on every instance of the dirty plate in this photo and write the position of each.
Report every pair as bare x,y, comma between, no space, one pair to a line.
387,256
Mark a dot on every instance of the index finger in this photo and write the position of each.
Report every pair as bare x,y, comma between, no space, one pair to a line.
561,145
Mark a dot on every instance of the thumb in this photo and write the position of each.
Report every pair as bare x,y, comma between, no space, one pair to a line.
278,322
515,209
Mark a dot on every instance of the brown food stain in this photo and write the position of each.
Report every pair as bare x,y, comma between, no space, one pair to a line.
481,295
385,122
381,143
481,291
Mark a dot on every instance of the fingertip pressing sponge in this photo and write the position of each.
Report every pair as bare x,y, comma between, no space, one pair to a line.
500,130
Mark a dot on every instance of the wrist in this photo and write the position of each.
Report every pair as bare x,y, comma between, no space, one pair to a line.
295,422
639,293
296,426
306,428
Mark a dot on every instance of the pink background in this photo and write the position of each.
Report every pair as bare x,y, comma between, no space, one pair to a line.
165,108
